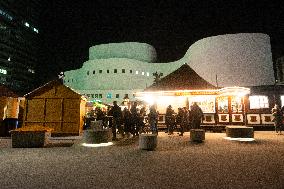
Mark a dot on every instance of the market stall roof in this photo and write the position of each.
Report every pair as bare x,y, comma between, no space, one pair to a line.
5,91
49,86
184,78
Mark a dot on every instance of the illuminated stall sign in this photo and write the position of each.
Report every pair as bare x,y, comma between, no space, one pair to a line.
190,93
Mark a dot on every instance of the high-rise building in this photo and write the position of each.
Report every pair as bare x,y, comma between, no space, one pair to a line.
19,43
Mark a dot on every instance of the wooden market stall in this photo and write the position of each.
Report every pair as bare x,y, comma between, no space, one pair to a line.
221,106
56,106
9,110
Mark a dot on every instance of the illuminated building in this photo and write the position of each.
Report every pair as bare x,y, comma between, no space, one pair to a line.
19,43
116,70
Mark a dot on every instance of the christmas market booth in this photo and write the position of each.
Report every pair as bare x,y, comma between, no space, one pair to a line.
183,87
55,106
9,110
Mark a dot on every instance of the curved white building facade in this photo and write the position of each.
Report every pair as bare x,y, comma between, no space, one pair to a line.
116,69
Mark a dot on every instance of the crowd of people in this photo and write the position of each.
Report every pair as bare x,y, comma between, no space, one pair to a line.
136,121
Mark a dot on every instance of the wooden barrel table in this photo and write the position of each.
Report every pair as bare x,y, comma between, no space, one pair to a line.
147,141
95,137
197,135
239,132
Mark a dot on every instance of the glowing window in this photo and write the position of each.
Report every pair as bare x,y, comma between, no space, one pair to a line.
143,73
257,102
136,72
109,95
27,24
147,74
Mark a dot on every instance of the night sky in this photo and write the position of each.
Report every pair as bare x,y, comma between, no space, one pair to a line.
69,27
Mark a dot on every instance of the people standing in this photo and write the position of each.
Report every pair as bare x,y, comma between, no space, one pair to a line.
197,116
127,121
179,119
116,113
135,119
170,120
278,118
153,119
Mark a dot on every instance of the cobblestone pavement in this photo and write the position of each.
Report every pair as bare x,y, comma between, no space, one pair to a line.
176,163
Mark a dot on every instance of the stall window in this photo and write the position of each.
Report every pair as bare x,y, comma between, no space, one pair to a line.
205,102
223,106
236,104
257,102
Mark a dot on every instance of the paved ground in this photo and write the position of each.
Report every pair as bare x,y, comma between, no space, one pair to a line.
176,163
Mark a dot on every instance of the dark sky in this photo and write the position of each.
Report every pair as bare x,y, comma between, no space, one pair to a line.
171,26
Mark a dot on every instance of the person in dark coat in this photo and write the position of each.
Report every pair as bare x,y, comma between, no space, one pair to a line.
153,119
127,121
170,120
197,116
135,119
278,118
179,118
116,113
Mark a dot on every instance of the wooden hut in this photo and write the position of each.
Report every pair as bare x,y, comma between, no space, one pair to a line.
56,106
9,109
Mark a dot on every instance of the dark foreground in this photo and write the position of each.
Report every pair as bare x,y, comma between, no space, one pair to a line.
176,163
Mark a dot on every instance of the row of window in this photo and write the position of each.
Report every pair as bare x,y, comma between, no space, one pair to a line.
99,96
122,71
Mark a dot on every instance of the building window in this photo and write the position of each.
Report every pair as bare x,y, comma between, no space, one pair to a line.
123,70
257,102
109,95
88,72
130,71
94,72
143,73
147,74
137,72
115,71
117,96
107,71
100,71
96,95
92,95
161,74
100,95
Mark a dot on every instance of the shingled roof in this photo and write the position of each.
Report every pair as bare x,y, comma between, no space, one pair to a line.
184,78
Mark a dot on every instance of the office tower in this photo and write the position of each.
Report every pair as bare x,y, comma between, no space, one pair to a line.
19,43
